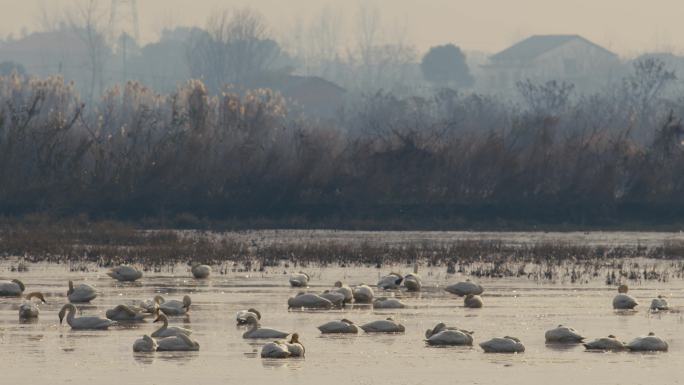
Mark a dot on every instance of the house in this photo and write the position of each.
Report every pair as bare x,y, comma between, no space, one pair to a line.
569,58
314,95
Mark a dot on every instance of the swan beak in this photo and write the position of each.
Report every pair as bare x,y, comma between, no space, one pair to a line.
156,320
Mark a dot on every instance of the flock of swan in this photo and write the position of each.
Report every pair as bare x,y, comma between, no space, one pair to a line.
174,338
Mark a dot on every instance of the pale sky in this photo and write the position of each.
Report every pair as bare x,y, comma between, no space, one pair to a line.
628,27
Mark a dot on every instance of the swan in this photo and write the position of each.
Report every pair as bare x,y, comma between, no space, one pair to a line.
503,345
29,309
563,334
659,303
175,307
13,288
152,305
275,349
450,337
242,316
363,294
299,280
309,301
125,313
345,290
388,303
336,298
294,346
125,273
610,343
442,327
168,331
178,343
81,293
390,282
145,344
256,331
200,271
464,288
650,343
383,326
472,301
343,326
623,301
412,281
83,323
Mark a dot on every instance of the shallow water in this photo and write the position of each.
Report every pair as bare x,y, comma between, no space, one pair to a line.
46,352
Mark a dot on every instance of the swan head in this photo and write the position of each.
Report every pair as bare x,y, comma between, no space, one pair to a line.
346,321
294,338
307,275
338,284
20,284
651,334
255,311
623,289
71,287
65,308
36,294
158,299
611,336
251,320
186,302
161,317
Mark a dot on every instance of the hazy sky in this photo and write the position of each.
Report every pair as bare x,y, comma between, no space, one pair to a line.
628,27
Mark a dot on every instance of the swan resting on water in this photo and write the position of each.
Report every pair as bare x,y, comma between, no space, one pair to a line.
125,273
125,313
299,280
200,271
83,323
563,334
178,343
464,288
13,288
28,309
146,344
623,301
610,343
308,301
363,294
343,326
283,349
256,331
344,290
649,343
659,304
472,301
388,303
175,307
441,335
390,282
383,326
242,316
168,331
81,293
503,345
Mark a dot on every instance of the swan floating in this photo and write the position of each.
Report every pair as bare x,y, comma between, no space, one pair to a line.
450,338
623,301
610,343
283,349
152,305
563,334
242,316
383,326
256,331
412,282
146,344
13,288
363,294
650,343
390,282
659,304
442,327
178,343
125,313
464,288
309,301
168,331
299,280
472,301
388,303
125,273
81,293
344,290
335,297
83,323
343,326
28,309
175,307
200,271
503,345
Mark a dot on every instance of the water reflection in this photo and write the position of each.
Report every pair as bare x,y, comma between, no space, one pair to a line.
181,358
144,358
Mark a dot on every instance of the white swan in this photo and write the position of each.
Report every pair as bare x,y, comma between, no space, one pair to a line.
175,307
344,290
200,271
390,282
28,309
125,313
623,301
83,323
610,343
256,331
179,343
503,345
283,349
563,334
152,305
363,294
299,280
650,343
343,326
13,288
388,303
383,326
81,293
242,316
659,304
295,347
145,344
412,281
472,301
168,331
465,288
440,327
309,301
125,273
449,337
336,298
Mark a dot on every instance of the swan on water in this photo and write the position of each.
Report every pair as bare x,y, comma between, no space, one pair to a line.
175,307
152,305
145,344
503,345
383,326
449,337
610,343
256,331
650,343
390,282
442,327
363,294
81,293
125,273
388,303
345,290
283,349
563,334
472,301
29,309
299,280
242,316
412,281
168,331
200,271
13,288
343,326
125,313
659,304
335,297
178,343
83,323
623,301
309,301
465,288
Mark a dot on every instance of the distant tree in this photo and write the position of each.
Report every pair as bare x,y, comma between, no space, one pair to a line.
9,67
446,65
